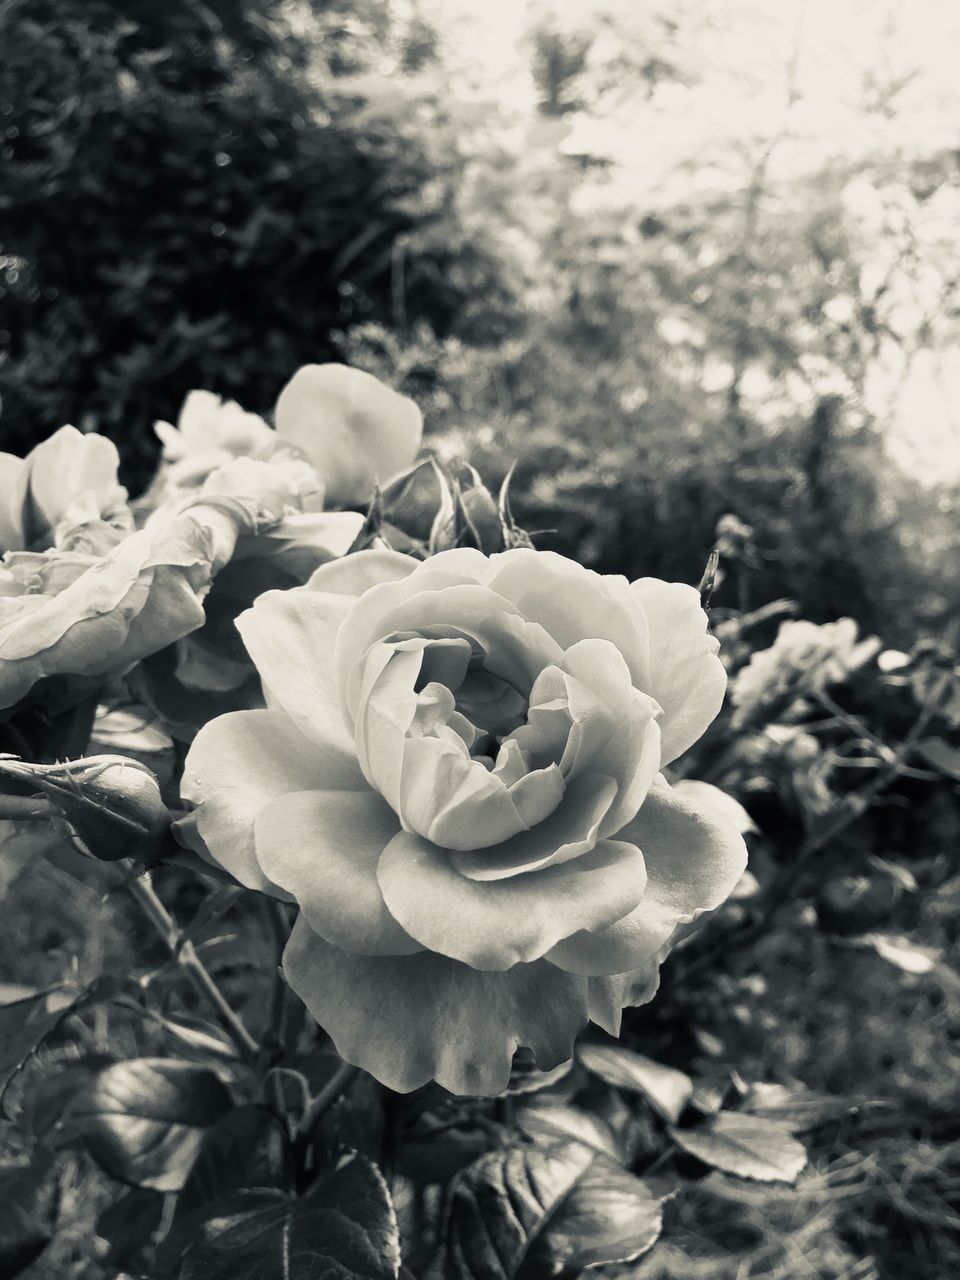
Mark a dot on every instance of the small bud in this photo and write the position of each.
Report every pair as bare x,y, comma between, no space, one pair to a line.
112,804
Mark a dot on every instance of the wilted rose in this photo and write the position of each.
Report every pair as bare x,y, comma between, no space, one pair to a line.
458,781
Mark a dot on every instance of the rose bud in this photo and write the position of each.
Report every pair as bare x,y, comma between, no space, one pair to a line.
112,804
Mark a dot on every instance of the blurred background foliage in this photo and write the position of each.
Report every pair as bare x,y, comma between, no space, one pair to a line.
657,279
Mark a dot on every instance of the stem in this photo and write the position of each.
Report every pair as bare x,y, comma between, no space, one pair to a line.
338,1083
35,808
183,951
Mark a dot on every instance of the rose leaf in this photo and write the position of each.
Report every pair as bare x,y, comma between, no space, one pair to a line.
345,1227
143,1120
526,1212
667,1090
745,1145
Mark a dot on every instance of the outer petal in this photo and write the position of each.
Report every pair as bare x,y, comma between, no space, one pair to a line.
694,859
494,925
290,636
61,468
354,574
354,429
237,764
11,501
411,1019
323,847
684,673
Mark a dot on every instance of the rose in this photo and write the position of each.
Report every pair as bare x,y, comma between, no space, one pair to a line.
348,429
457,780
39,491
98,601
282,541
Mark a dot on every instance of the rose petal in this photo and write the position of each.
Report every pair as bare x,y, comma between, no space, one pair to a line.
515,649
323,847
684,673
494,925
411,1019
290,636
571,830
354,429
354,574
694,859
613,730
240,762
11,502
572,603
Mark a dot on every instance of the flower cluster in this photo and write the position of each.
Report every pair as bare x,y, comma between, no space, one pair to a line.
445,747
91,585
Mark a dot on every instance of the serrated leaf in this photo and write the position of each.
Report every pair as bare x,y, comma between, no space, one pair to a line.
143,1120
345,1228
667,1090
522,1213
247,1149
744,1145
29,1022
29,1195
548,1125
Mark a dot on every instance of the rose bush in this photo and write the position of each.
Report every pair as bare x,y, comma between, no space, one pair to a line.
458,780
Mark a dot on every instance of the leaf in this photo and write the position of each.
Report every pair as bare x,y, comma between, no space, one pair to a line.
668,1091
550,1124
30,1196
344,1227
26,1023
247,1149
745,1145
144,1119
799,1108
522,1213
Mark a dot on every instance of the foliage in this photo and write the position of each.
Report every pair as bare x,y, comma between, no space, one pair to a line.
194,199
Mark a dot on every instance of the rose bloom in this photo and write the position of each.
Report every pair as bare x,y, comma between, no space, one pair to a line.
349,427
457,778
100,599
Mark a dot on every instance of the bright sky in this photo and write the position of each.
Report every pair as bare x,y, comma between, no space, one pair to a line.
749,57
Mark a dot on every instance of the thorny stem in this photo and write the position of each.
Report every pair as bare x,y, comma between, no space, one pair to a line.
183,951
